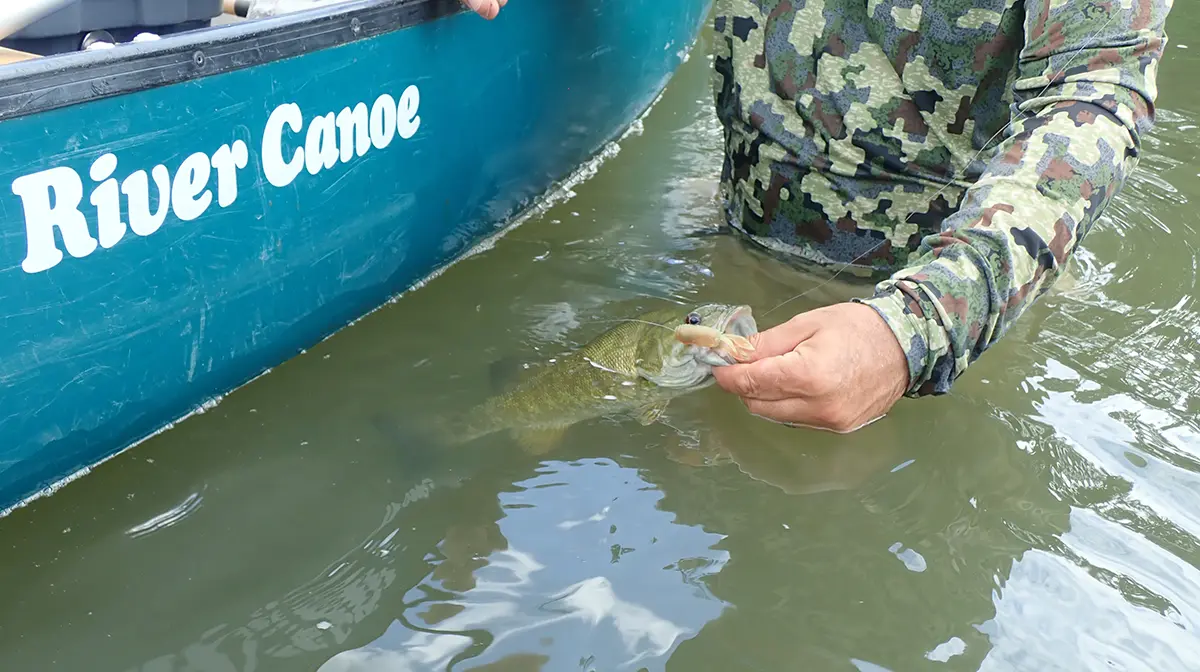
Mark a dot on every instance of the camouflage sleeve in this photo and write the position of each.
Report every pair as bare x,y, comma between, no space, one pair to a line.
1085,90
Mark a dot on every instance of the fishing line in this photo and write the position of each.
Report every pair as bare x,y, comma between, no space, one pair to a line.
631,319
953,178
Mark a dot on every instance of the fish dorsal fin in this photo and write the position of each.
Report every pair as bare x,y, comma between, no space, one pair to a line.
539,440
650,413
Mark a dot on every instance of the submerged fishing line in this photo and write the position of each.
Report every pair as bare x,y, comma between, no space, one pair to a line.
631,319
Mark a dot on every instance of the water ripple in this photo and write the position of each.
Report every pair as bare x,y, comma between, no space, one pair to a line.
172,516
1051,615
620,604
1115,392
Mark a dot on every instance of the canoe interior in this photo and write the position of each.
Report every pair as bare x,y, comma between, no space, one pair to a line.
9,54
172,225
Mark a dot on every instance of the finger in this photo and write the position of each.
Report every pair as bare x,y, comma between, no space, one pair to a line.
770,379
789,411
813,415
488,9
784,337
802,413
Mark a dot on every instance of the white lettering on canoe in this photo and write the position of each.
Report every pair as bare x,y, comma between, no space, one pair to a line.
51,198
189,198
383,121
137,190
278,172
354,139
107,201
408,119
227,160
41,217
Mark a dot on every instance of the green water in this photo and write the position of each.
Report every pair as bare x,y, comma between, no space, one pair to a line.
1044,516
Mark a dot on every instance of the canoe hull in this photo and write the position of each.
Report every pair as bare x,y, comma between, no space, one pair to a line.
163,246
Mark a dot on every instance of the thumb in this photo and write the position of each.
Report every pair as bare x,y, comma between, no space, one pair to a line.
784,337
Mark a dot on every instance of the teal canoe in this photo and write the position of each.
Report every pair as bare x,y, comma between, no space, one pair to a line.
179,215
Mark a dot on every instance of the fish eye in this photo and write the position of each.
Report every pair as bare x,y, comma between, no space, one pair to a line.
693,318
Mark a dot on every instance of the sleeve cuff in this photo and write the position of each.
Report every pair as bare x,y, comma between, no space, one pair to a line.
909,330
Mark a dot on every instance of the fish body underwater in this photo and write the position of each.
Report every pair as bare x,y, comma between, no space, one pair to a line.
633,369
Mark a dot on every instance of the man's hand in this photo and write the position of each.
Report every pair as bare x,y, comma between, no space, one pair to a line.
836,368
488,9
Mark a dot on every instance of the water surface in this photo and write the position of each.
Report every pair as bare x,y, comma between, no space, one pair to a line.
1043,516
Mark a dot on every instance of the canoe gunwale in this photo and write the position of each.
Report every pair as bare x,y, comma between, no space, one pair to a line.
62,80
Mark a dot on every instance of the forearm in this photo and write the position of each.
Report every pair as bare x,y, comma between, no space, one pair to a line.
1072,148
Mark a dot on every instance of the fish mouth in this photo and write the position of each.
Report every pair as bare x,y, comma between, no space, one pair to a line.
738,322
689,365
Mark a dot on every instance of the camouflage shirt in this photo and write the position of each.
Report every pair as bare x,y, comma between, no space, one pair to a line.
877,132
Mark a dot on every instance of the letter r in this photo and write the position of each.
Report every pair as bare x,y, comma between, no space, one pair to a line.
41,217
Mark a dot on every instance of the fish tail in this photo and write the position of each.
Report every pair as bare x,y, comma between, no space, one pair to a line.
419,441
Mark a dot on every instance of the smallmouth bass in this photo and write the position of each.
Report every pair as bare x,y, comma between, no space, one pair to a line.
633,369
